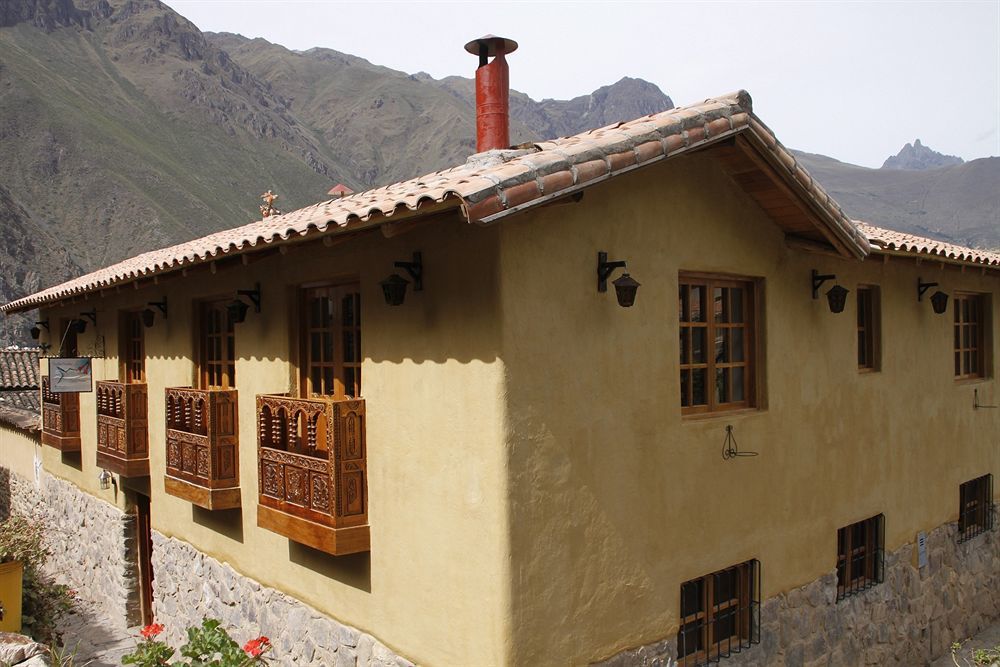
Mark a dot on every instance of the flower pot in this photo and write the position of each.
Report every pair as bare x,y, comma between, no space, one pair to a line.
10,596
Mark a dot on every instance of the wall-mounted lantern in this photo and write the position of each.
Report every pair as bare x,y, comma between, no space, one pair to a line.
237,309
625,286
394,287
836,296
939,300
35,331
149,314
104,479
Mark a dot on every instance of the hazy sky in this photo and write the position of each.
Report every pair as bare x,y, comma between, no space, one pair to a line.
852,80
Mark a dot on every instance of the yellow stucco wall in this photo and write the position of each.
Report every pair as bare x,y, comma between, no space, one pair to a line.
18,449
616,499
434,584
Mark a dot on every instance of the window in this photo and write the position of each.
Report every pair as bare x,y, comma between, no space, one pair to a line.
132,348
868,328
969,333
331,341
720,614
717,339
860,556
975,509
218,347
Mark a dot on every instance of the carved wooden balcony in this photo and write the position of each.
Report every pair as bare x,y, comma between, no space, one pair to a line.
60,419
122,435
312,469
203,464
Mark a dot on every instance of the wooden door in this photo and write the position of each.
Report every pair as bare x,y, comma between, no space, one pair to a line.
144,540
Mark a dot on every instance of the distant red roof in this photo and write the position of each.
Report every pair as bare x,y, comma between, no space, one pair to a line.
340,190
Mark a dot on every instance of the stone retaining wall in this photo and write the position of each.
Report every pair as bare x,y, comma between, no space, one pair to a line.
910,619
190,586
92,542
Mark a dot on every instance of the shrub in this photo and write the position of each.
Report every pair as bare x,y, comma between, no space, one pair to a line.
207,646
44,602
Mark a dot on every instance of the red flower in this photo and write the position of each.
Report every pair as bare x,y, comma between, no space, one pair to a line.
151,630
255,647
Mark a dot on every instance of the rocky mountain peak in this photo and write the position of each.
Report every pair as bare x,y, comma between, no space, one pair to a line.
49,14
918,157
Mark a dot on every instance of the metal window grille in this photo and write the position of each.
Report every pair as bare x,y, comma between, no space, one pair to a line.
860,556
976,513
720,615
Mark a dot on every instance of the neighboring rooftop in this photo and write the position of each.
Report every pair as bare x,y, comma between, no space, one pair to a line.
19,399
903,243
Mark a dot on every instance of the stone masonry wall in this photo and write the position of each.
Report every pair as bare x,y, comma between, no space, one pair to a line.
910,619
92,541
190,586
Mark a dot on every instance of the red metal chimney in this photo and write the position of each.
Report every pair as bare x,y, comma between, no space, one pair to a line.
492,91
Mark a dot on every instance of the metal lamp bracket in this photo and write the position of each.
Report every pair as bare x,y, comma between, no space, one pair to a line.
253,295
818,280
605,269
415,269
922,287
161,305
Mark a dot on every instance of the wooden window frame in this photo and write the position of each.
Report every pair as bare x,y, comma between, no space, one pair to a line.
752,288
702,623
227,356
869,311
127,360
976,511
970,356
338,365
860,561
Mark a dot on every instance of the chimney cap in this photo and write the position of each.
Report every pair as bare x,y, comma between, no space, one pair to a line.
492,42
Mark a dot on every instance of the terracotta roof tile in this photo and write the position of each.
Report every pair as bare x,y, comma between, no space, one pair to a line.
487,188
18,369
888,239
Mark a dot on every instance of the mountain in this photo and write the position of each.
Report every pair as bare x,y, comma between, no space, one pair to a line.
959,204
916,156
125,128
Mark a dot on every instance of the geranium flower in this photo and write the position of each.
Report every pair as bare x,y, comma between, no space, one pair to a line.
151,630
255,647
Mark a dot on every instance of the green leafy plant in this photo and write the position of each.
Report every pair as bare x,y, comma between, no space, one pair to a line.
44,602
980,657
207,646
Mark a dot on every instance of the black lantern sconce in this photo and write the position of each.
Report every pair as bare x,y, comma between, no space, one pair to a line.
149,314
625,286
939,300
78,325
35,331
237,308
836,296
394,287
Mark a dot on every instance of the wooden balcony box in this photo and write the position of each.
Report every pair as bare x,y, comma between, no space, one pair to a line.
203,464
122,435
60,419
312,469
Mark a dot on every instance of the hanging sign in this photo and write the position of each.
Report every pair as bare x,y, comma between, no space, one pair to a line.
70,375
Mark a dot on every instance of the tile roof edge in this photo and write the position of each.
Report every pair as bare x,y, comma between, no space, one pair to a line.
907,246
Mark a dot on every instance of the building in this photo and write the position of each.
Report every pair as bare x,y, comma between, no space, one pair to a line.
781,453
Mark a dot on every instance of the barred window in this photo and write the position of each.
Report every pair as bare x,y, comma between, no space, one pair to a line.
975,512
720,615
860,556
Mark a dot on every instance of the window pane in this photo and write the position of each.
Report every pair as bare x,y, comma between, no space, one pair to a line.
722,385
862,356
314,347
327,346
685,345
697,303
699,355
721,340
349,347
328,381
691,639
719,303
347,303
736,305
699,379
685,390
739,378
737,349
682,310
692,594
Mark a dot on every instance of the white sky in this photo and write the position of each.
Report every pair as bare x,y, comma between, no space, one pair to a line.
852,80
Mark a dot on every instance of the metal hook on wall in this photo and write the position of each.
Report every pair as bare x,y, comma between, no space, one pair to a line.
730,448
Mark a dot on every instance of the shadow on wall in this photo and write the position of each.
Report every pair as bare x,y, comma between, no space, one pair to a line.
73,460
226,522
4,494
354,570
